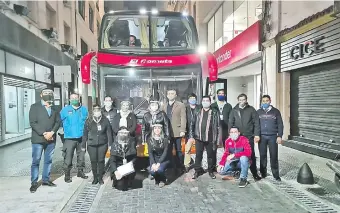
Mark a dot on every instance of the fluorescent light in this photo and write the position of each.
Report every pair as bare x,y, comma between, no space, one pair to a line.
202,49
185,13
154,11
142,11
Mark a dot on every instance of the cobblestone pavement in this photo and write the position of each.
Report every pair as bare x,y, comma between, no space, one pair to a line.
16,160
199,196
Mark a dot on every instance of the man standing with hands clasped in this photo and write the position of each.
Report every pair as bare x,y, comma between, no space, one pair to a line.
245,118
45,123
271,135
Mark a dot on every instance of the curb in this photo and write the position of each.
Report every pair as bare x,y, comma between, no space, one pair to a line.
97,200
15,140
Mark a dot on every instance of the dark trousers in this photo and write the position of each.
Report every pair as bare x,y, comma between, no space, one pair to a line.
97,158
159,175
225,133
200,145
253,168
179,159
68,151
269,141
115,162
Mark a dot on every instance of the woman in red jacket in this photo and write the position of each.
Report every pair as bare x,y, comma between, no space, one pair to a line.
236,156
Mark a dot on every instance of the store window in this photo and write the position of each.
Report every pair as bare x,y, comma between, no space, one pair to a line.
83,46
43,74
18,66
238,16
211,35
2,61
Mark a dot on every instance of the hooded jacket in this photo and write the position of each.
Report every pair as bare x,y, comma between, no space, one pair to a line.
246,119
239,148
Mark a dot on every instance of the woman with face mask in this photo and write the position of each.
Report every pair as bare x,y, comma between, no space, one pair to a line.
97,135
158,145
154,115
123,153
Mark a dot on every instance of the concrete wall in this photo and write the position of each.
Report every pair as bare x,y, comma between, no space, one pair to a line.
285,14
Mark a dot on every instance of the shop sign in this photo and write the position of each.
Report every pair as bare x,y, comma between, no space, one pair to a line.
307,49
241,47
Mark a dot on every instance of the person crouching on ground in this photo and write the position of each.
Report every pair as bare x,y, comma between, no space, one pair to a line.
97,135
123,156
158,145
236,156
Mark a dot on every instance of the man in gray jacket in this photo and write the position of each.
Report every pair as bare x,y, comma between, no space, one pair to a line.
45,123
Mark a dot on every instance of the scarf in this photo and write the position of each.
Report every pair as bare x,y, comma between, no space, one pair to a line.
123,118
207,126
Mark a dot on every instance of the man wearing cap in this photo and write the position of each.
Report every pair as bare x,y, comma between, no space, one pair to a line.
45,123
74,117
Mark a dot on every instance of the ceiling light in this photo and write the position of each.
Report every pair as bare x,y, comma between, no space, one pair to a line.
142,11
154,11
185,13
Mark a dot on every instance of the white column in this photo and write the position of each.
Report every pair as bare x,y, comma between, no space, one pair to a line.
271,72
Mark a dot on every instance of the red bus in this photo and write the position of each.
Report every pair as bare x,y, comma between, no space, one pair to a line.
143,53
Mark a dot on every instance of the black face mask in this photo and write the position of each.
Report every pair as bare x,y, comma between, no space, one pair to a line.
47,98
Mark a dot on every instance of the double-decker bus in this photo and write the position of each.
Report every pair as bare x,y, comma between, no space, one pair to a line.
141,54
144,53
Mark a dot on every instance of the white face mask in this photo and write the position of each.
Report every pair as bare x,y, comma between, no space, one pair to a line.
107,104
153,107
125,107
206,104
97,114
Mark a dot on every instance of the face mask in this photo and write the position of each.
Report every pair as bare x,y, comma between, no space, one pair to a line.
221,97
47,98
206,104
154,108
74,102
265,106
97,114
234,136
192,101
171,97
107,104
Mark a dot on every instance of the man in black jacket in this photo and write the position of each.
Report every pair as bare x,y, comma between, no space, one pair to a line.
271,135
109,111
45,123
204,129
245,117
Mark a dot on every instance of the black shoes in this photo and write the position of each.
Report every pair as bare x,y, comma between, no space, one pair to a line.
277,179
263,174
212,175
68,178
34,187
100,181
196,174
95,181
81,174
49,183
256,177
243,183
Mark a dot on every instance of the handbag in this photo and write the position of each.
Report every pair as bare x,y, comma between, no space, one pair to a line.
193,147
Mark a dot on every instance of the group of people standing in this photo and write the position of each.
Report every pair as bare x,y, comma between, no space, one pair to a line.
163,128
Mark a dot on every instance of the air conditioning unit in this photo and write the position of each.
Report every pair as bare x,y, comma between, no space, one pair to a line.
67,3
336,8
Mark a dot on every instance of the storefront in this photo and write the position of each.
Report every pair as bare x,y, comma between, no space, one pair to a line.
313,60
239,64
26,67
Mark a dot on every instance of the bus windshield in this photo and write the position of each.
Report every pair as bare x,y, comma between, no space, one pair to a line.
132,33
142,84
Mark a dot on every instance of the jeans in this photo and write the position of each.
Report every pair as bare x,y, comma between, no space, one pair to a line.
269,141
179,160
242,163
37,150
159,175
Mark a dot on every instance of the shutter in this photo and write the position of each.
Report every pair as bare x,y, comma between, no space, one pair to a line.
24,83
315,111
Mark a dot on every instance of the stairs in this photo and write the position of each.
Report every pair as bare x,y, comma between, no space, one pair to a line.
323,149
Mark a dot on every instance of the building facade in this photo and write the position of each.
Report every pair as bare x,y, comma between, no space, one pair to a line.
301,73
35,37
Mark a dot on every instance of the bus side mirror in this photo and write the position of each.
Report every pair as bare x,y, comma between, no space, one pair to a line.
212,66
85,67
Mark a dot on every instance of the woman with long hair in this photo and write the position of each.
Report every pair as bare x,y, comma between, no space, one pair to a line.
97,135
158,145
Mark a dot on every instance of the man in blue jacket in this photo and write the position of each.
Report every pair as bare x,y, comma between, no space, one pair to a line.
271,135
73,118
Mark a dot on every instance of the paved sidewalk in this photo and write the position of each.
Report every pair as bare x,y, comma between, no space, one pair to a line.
16,198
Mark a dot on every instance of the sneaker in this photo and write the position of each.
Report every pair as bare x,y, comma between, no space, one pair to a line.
243,183
34,187
212,175
256,177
